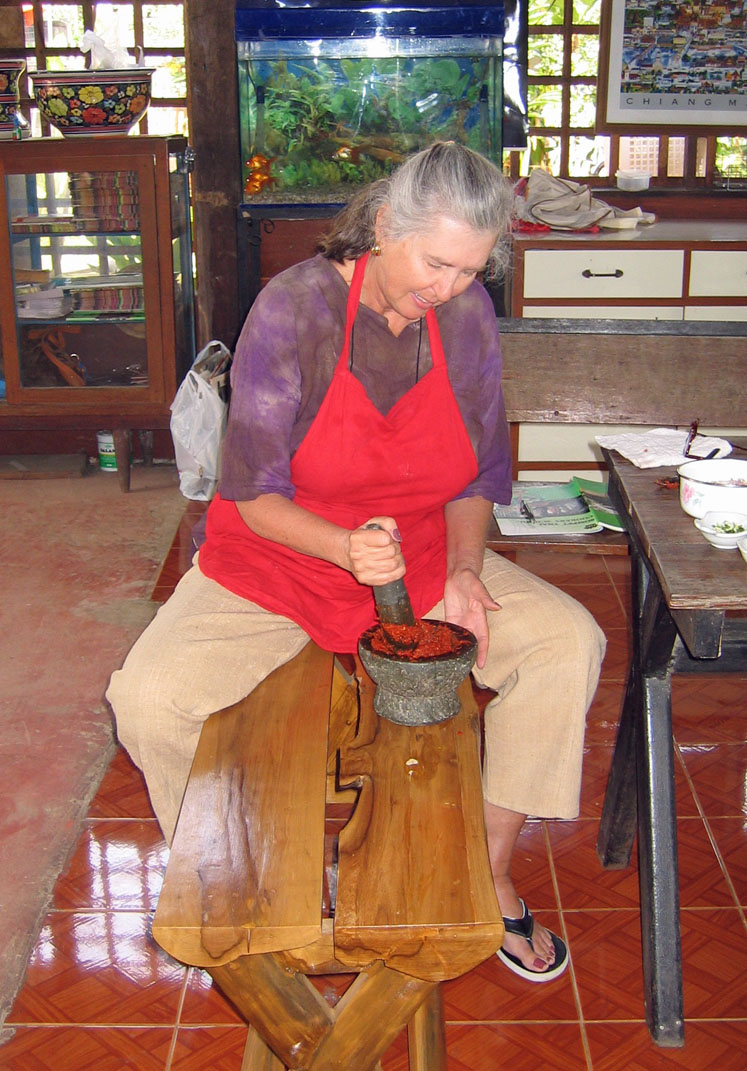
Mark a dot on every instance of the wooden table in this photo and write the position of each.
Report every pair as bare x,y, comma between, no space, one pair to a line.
689,603
259,893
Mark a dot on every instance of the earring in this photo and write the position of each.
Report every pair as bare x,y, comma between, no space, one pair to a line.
376,249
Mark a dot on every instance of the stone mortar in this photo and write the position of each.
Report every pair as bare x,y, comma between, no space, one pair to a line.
417,693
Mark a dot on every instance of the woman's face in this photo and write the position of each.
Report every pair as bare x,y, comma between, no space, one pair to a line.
425,270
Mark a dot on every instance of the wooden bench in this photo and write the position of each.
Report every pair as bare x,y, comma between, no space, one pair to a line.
652,373
403,898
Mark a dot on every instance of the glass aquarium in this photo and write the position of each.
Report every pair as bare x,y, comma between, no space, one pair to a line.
331,99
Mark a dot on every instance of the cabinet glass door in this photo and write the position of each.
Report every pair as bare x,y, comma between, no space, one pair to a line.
77,271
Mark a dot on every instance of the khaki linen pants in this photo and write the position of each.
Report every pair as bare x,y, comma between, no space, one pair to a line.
207,648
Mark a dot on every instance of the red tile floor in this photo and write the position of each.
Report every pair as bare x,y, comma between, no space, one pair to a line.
100,994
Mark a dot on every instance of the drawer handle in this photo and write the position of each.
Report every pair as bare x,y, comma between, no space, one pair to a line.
616,274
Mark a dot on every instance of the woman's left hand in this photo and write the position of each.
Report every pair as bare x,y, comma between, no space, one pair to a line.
467,602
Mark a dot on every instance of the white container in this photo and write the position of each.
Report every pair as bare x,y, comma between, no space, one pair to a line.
722,530
632,180
718,484
107,456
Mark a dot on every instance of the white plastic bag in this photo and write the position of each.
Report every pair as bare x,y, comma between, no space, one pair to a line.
198,422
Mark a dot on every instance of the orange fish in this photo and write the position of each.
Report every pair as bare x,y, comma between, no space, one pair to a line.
259,174
257,183
346,152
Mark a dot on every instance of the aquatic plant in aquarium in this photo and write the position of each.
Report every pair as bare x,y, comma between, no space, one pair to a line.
320,117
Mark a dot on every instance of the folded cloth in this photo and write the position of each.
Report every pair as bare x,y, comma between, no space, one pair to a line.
625,219
662,446
564,205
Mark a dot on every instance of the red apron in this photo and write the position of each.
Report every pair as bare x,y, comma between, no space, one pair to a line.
353,464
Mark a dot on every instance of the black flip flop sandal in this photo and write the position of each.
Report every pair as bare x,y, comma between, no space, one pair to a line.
524,927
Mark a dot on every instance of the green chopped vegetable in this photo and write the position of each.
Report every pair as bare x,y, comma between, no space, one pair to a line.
729,528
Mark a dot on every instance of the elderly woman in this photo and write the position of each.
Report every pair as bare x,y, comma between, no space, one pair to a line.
366,387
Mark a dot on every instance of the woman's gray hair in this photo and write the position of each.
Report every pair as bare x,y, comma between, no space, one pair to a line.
445,180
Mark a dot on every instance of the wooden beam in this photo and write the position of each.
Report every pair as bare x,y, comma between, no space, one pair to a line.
212,102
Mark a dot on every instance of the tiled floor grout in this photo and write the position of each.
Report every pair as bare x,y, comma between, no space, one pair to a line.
714,843
177,1023
564,936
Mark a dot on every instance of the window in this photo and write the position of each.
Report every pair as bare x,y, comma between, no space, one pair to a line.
561,91
53,30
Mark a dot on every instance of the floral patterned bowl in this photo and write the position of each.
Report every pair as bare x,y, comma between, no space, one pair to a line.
93,101
8,108
10,72
12,123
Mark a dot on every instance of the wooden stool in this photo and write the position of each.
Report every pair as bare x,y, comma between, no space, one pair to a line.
412,900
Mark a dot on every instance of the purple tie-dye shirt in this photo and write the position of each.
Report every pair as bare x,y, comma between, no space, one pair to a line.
286,355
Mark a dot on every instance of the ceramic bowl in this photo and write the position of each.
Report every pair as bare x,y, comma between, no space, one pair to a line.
94,101
10,72
722,529
8,109
719,483
13,124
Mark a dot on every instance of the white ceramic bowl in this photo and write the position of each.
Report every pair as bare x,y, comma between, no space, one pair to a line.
723,529
742,544
718,484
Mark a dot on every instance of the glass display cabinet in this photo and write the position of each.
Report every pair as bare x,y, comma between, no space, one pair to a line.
96,288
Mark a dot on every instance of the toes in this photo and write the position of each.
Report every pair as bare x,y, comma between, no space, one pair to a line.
542,943
532,958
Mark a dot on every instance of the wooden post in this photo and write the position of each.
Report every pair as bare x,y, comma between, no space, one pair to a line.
212,101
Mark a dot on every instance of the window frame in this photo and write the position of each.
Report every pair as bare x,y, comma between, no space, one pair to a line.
699,161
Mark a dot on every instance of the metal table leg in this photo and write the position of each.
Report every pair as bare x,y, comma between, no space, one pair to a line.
644,748
620,810
657,865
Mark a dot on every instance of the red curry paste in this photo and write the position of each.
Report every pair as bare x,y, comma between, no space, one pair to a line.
418,642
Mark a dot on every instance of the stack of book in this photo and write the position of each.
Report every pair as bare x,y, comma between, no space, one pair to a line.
106,295
106,200
33,303
54,224
574,508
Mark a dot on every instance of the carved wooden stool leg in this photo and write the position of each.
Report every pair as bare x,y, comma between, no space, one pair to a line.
369,1016
257,1056
283,1006
426,1037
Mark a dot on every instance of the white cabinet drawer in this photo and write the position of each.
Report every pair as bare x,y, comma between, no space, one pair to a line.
605,312
719,313
718,273
603,273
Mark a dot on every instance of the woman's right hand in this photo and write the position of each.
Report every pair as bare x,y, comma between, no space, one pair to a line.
375,553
